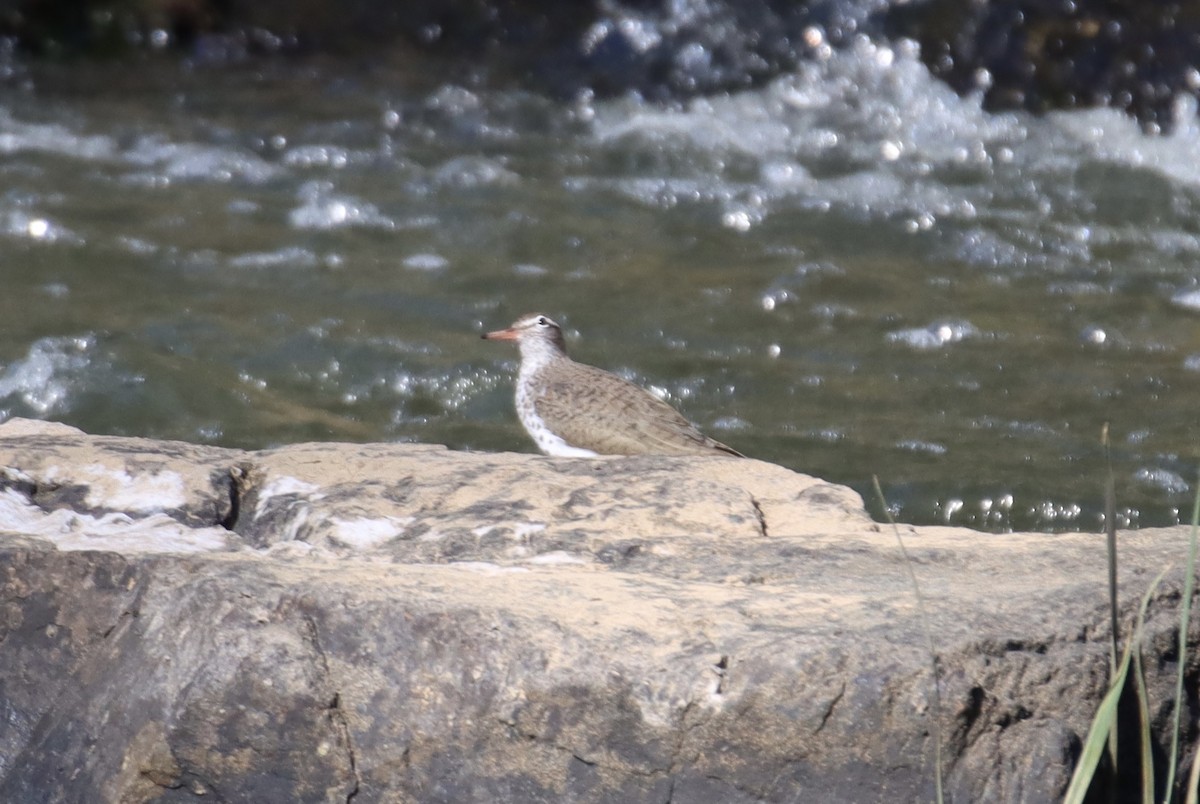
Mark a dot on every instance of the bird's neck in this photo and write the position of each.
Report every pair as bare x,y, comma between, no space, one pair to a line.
537,355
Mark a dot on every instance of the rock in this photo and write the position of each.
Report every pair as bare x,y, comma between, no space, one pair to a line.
1138,57
405,623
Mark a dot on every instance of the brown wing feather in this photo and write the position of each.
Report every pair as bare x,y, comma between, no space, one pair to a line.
632,420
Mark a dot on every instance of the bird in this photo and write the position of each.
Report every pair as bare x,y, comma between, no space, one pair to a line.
572,409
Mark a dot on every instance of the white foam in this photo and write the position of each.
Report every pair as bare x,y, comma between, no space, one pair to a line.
895,145
17,136
934,336
320,208
1108,135
42,379
872,107
195,161
1188,299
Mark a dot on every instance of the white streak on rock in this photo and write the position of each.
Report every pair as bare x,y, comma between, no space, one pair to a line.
558,557
69,530
140,493
363,534
281,486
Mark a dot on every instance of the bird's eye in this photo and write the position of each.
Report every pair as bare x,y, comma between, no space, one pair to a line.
542,322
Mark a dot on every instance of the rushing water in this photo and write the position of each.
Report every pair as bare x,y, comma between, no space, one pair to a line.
851,271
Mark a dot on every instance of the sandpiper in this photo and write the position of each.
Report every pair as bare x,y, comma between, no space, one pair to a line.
575,410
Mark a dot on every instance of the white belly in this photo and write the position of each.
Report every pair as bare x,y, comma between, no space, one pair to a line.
547,441
551,444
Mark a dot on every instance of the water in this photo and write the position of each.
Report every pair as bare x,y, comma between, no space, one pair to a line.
850,272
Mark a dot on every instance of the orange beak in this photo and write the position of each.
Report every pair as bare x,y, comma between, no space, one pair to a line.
509,334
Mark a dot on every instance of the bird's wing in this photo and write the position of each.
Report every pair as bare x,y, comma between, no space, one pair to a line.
633,420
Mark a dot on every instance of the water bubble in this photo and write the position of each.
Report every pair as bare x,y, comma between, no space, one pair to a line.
738,220
38,228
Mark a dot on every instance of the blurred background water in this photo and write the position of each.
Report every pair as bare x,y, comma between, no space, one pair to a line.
848,270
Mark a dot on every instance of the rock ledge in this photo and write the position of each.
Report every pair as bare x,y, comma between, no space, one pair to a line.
327,622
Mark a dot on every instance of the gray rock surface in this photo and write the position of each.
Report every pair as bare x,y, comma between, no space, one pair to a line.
394,623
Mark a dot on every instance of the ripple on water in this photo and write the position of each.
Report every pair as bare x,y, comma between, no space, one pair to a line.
1168,481
17,136
1188,299
290,256
426,262
195,161
927,447
473,171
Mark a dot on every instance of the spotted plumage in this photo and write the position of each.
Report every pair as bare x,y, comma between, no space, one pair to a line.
575,410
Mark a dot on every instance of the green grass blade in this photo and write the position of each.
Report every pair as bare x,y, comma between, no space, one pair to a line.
1143,699
1193,783
1105,719
1185,605
1114,607
937,694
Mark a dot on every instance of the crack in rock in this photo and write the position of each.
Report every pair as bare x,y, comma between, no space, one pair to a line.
831,706
337,716
760,516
